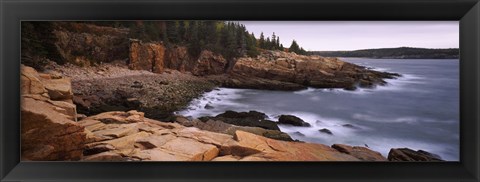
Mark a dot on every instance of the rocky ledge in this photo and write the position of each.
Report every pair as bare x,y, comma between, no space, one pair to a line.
278,70
52,130
272,70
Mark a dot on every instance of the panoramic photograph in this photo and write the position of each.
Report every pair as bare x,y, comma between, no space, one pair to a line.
203,90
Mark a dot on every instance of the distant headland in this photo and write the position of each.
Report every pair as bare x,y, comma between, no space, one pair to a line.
395,53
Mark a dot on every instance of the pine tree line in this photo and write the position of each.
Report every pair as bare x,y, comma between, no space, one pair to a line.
226,38
230,39
270,44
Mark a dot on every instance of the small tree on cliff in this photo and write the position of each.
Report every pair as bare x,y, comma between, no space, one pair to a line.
261,41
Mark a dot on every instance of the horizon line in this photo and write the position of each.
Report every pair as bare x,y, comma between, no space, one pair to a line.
385,48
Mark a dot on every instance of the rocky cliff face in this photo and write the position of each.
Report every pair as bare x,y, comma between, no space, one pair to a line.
148,56
48,127
156,57
85,44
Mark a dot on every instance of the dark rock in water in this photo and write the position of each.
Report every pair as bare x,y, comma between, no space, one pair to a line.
208,106
406,154
318,122
251,118
350,88
292,120
250,114
349,126
298,133
325,130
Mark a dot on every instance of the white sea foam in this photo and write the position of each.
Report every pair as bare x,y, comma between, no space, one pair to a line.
217,99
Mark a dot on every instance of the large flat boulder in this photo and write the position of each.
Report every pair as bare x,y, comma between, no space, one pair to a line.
361,153
289,151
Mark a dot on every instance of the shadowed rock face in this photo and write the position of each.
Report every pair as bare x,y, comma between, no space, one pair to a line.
84,44
406,154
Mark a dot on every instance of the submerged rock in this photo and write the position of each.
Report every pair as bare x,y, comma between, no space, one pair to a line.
292,120
326,131
350,126
298,133
208,106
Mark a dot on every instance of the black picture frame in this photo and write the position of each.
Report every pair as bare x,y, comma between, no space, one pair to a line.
466,11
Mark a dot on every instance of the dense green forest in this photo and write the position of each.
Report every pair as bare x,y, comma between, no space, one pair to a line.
230,39
394,53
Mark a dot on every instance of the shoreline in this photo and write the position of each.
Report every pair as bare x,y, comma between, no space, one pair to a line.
131,136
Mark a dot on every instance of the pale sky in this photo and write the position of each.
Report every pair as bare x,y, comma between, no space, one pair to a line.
354,35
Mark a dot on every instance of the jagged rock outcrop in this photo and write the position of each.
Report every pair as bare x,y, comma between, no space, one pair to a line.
156,57
147,56
209,63
178,58
361,153
48,127
313,71
84,44
406,154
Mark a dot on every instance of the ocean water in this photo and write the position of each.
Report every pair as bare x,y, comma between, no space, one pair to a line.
419,110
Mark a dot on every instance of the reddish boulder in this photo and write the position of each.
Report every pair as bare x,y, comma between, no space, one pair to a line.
361,153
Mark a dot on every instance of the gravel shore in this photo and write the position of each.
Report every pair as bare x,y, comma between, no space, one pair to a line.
112,86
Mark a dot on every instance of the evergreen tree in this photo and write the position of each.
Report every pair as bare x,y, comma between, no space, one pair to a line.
294,47
194,46
172,32
268,43
252,45
182,30
274,42
261,41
